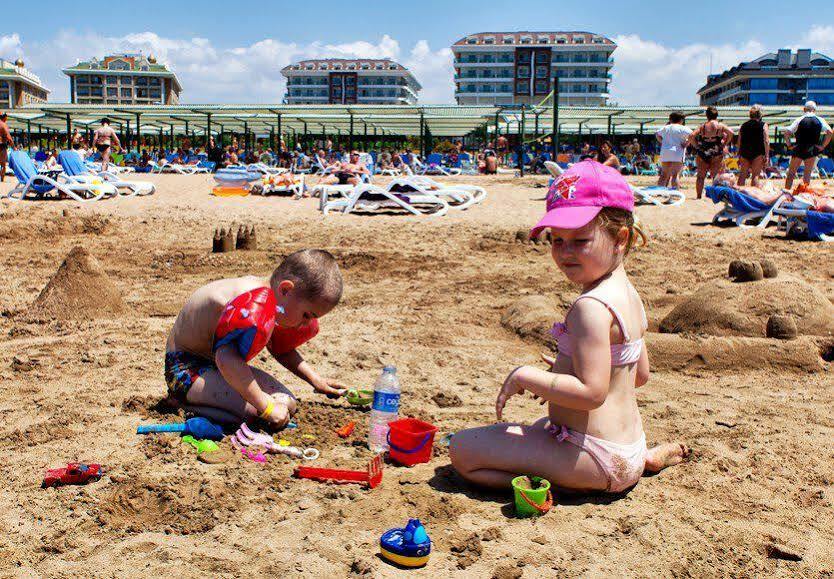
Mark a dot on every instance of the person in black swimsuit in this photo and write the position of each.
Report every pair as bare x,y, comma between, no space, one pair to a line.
710,142
806,130
753,147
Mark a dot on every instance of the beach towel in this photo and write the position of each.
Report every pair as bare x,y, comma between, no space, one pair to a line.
738,200
820,224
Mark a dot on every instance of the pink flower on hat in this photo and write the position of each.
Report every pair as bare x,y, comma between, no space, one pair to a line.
564,186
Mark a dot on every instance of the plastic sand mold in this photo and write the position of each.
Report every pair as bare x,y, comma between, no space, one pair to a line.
201,445
359,397
409,547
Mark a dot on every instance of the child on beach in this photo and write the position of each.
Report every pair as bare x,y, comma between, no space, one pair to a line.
226,323
592,438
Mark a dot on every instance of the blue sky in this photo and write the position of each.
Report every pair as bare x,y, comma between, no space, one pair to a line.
664,47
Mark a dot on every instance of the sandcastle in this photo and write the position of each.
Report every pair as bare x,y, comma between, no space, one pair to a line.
80,289
225,240
758,302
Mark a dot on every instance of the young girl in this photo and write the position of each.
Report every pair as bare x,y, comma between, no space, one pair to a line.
592,438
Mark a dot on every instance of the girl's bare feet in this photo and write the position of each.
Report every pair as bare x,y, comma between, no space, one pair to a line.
665,455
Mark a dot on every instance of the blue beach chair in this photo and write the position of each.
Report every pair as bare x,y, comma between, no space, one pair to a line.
741,209
32,185
76,171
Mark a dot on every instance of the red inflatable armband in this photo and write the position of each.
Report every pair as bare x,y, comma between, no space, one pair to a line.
247,322
288,339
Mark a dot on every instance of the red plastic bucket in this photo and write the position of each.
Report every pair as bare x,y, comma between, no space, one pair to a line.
410,441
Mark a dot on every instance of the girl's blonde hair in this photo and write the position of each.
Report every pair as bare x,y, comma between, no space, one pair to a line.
613,220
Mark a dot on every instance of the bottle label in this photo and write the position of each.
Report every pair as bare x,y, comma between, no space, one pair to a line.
386,402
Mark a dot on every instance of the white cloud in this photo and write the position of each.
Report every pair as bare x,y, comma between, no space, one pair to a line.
10,46
819,38
646,72
242,74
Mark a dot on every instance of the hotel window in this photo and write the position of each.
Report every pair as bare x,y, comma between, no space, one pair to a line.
523,71
112,80
127,93
541,87
522,88
154,81
489,40
471,41
544,40
578,40
95,79
96,91
508,40
111,92
541,71
526,40
142,81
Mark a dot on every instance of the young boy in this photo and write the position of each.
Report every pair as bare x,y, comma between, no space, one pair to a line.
226,323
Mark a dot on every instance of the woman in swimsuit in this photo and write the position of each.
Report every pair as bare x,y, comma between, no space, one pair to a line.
606,156
753,147
710,141
592,438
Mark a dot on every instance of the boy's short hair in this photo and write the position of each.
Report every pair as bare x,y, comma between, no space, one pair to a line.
314,272
676,117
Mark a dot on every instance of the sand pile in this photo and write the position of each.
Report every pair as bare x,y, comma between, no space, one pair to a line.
80,289
724,308
531,317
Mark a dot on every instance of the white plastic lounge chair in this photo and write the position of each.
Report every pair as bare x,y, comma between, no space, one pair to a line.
32,186
742,209
268,188
659,196
368,197
459,196
76,171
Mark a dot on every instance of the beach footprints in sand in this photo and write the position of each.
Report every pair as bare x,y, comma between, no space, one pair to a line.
225,240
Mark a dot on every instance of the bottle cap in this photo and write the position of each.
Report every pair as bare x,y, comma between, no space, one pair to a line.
390,369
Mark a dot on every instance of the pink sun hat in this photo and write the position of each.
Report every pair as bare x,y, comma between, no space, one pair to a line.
580,193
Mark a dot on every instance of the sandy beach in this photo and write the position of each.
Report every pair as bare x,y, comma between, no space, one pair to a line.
428,295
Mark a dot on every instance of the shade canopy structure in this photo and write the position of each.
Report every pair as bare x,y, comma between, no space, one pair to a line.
439,121
394,120
634,120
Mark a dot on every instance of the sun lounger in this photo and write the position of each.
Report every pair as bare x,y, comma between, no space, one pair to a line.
798,219
32,185
268,187
76,171
825,166
656,195
368,197
741,209
458,196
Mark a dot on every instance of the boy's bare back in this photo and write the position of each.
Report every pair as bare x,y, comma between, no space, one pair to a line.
195,325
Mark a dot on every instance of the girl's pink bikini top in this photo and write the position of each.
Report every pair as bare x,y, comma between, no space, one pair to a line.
623,354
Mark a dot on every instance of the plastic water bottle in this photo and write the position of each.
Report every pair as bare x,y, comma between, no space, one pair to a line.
386,406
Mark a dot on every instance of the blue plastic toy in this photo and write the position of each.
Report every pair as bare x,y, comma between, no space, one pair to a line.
409,547
197,427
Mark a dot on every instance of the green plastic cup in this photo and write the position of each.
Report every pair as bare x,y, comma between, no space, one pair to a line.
532,502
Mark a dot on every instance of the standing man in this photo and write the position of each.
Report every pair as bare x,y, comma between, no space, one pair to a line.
806,131
104,138
6,142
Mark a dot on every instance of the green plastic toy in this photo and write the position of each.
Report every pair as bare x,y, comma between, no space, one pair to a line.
359,397
532,496
201,445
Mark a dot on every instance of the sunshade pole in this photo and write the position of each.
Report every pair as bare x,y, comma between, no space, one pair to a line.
280,134
350,135
29,135
554,135
69,127
521,142
138,133
208,130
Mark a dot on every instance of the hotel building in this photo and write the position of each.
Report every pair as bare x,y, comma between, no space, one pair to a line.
123,79
781,78
348,81
518,67
18,86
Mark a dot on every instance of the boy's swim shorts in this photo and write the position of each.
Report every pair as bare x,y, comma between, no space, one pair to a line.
181,370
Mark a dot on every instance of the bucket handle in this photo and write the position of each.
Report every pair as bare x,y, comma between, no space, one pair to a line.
541,508
412,451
